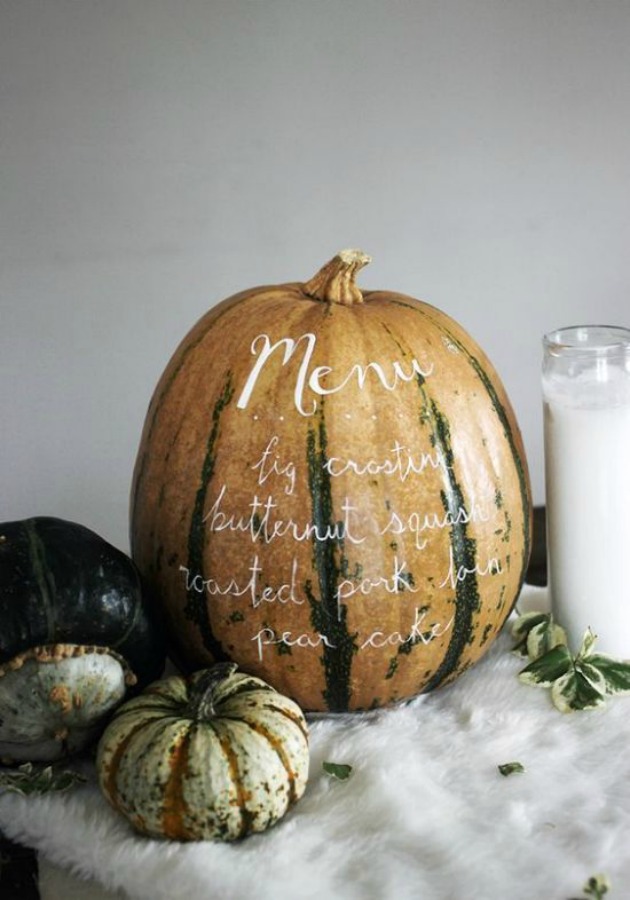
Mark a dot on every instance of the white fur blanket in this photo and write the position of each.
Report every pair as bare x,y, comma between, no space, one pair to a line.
425,814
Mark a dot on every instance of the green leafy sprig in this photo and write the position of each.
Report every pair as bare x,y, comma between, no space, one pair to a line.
596,887
31,779
577,681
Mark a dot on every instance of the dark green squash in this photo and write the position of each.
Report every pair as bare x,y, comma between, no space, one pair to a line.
75,637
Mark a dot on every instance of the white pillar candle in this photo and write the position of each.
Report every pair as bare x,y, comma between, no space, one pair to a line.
586,392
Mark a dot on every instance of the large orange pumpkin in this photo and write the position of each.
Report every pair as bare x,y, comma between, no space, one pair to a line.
331,490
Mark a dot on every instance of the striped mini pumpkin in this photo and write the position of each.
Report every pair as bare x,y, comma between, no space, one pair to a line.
331,490
215,756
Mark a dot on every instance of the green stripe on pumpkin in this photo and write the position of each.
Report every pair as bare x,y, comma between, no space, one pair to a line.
328,616
518,462
503,418
463,549
196,608
157,401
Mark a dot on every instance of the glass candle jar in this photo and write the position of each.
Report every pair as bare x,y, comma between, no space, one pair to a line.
586,393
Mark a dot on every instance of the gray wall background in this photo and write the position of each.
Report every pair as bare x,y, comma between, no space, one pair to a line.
159,155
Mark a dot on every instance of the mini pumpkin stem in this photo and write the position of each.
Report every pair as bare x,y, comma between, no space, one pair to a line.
203,692
334,283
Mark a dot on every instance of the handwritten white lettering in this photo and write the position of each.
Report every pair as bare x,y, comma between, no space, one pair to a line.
396,583
403,464
264,524
267,637
285,593
417,523
457,574
263,349
416,634
272,466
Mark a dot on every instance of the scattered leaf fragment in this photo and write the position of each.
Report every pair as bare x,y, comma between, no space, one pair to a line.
30,779
511,768
340,771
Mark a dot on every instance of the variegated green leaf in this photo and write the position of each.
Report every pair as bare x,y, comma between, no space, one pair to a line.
544,637
588,642
545,670
535,633
522,627
574,690
616,674
592,674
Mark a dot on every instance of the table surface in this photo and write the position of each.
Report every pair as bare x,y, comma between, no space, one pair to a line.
19,874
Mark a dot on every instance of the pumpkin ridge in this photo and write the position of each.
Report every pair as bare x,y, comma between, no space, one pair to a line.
463,549
288,714
247,817
276,746
507,429
509,436
328,616
247,687
157,726
518,462
158,399
108,772
196,607
174,803
279,710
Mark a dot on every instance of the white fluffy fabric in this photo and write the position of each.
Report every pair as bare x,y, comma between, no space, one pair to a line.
425,814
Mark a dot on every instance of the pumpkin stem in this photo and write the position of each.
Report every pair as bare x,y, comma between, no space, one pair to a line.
204,689
334,283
